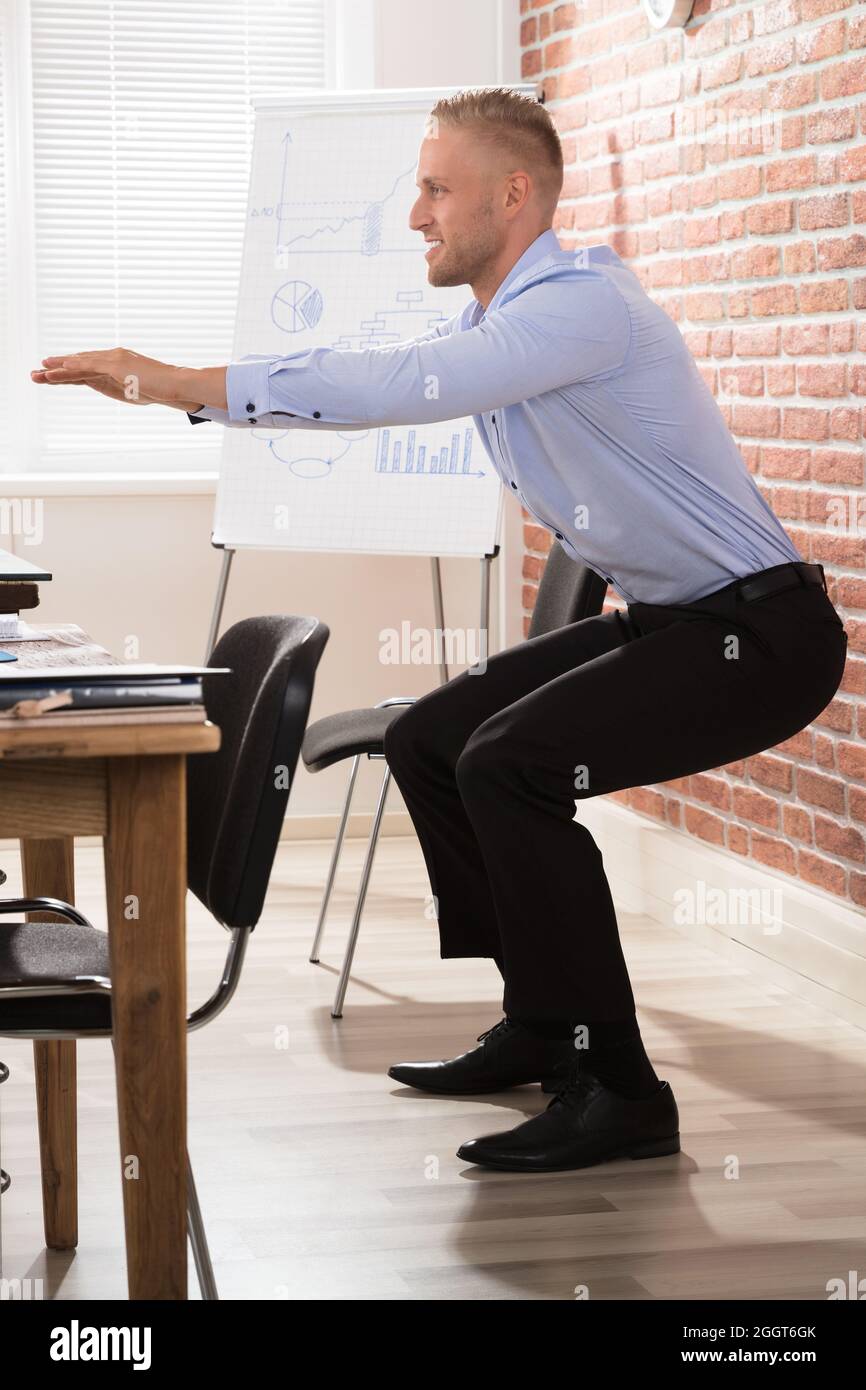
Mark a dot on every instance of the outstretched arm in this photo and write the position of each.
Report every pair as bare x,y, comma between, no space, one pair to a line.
544,338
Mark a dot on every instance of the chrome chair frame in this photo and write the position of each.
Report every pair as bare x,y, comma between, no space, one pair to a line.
372,842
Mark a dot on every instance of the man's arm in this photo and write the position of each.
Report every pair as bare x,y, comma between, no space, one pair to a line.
214,388
545,338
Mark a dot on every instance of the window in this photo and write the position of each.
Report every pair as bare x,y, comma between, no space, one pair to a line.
124,155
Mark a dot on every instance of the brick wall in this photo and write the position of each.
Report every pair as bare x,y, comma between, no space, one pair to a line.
726,163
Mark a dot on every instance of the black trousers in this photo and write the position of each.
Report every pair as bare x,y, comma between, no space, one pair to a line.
492,764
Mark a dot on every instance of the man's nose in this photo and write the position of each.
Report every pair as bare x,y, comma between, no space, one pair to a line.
418,219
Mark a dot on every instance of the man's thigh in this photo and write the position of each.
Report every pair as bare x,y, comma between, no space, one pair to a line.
661,706
445,717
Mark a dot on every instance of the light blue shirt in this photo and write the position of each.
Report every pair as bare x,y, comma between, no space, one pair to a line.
588,403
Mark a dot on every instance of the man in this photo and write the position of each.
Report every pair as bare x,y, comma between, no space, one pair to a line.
596,418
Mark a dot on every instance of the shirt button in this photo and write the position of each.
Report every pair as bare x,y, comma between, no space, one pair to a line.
317,414
252,422
558,535
250,407
514,485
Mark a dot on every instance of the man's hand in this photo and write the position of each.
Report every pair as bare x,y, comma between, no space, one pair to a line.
124,376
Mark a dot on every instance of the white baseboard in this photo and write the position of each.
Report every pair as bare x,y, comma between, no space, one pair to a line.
816,949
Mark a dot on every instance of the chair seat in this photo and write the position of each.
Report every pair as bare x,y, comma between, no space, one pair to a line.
53,952
340,736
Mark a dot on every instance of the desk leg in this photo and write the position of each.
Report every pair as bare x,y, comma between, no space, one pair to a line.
145,878
48,873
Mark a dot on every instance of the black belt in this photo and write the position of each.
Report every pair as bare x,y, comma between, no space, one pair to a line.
781,577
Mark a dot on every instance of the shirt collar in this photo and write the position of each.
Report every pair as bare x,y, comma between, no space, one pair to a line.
544,245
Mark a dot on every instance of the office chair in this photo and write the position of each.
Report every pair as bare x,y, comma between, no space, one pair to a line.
54,977
567,593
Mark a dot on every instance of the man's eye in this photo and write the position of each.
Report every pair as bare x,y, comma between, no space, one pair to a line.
435,188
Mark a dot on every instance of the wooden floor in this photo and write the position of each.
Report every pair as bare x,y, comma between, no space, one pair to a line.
321,1179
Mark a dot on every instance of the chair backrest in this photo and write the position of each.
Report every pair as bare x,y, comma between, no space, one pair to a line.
237,796
567,593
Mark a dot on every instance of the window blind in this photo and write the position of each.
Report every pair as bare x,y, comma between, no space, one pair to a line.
142,136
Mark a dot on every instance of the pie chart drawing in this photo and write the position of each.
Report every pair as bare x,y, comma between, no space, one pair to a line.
296,306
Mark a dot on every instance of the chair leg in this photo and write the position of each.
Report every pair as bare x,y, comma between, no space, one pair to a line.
332,872
337,1011
198,1239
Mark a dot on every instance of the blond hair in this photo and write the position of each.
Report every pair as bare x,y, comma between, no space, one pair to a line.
517,125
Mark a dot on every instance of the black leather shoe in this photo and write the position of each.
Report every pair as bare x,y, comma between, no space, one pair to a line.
509,1055
585,1123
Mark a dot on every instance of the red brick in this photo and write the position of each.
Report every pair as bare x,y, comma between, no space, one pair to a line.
790,173
823,296
765,218
821,380
774,299
802,423
752,805
701,231
816,9
843,79
821,872
781,379
791,92
816,789
800,338
835,123
757,342
800,258
845,424
838,253
824,42
769,57
756,262
760,421
740,183
742,381
722,72
852,165
825,210
705,306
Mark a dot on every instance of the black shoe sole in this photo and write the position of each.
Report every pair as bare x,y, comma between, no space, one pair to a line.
647,1148
489,1090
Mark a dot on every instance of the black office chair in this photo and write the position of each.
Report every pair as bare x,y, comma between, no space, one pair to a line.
54,977
567,593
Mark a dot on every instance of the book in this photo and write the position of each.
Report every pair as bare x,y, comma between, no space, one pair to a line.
105,718
80,694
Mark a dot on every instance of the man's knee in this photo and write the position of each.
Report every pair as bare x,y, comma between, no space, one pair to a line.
484,755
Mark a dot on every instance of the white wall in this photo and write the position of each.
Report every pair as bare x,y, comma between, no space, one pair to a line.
143,566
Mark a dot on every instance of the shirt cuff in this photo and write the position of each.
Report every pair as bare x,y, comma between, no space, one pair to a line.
247,391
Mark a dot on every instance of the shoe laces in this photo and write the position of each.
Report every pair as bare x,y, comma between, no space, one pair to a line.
497,1028
573,1088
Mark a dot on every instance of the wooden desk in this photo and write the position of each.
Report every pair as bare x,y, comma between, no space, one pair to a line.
127,784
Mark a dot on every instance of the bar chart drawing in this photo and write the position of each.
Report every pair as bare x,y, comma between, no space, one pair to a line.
331,263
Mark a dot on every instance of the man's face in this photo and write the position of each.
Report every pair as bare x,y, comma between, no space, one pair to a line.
456,205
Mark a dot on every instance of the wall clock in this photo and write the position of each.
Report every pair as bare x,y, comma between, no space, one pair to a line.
668,14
